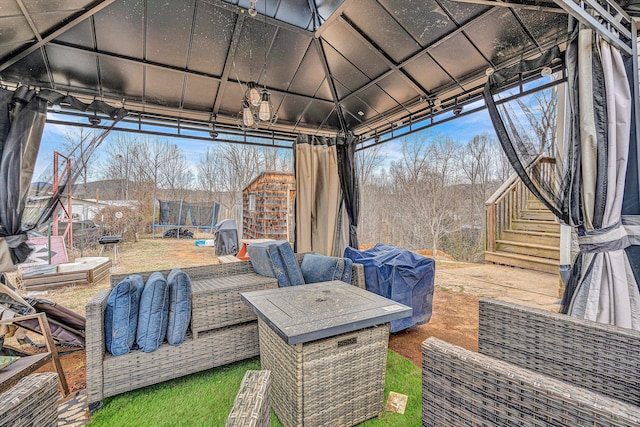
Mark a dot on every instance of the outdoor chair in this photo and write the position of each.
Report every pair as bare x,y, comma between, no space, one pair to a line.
534,367
251,407
33,401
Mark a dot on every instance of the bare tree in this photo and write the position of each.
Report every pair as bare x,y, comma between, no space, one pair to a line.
368,162
120,162
477,163
73,146
227,169
423,186
274,159
207,171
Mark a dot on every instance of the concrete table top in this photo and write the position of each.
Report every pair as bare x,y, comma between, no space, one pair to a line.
300,314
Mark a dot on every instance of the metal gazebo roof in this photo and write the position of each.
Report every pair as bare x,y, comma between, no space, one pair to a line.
331,65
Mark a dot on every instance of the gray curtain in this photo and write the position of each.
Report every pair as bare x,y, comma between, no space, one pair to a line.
587,188
346,151
22,120
603,287
23,115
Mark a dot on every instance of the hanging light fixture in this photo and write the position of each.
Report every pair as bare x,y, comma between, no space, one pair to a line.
253,94
248,120
255,107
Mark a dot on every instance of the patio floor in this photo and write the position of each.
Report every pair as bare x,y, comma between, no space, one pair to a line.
511,284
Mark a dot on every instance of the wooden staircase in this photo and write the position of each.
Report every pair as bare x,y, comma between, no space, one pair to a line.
521,231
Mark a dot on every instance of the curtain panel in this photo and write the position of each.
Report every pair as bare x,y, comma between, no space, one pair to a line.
327,194
586,191
22,119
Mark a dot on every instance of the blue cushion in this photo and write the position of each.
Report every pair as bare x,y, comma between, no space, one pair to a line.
121,315
154,313
179,306
276,259
319,268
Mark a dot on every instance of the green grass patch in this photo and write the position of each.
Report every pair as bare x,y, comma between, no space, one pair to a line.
205,398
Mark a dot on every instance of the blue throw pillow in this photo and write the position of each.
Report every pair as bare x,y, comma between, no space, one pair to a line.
121,315
179,306
276,259
320,268
154,313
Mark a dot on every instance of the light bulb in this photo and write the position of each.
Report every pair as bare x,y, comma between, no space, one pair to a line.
265,108
254,94
247,117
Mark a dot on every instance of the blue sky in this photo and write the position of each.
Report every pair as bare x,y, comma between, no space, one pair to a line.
461,129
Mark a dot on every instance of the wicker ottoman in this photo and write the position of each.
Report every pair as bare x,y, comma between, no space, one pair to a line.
326,347
223,294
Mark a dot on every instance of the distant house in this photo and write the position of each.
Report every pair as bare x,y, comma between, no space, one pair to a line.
268,207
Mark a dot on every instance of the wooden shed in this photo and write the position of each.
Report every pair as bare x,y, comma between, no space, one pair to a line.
268,207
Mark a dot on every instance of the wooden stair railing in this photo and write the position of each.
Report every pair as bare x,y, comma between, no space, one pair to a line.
506,204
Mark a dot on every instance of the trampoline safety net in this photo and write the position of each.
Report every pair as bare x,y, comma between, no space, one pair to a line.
180,213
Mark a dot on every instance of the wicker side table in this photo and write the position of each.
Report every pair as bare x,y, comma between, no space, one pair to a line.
216,302
326,347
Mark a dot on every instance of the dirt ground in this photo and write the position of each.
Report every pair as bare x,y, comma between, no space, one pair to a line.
454,315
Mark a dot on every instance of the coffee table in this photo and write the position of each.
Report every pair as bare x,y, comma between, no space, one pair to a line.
326,346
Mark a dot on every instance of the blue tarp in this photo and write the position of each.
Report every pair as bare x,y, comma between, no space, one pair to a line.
400,275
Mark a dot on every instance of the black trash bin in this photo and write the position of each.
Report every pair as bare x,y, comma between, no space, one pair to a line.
401,276
226,238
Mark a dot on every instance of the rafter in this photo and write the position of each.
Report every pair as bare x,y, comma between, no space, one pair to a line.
413,57
235,39
377,51
55,32
332,86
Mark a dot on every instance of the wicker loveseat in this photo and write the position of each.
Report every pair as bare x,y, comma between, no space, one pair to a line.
109,375
534,367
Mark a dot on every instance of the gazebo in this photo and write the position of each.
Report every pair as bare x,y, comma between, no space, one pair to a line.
324,78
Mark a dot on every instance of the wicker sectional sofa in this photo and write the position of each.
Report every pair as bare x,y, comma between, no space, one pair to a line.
533,367
109,375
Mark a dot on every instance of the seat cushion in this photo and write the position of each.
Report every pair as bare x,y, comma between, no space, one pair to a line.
179,306
154,313
320,268
121,315
276,259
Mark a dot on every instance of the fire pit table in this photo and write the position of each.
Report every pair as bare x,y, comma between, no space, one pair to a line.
326,346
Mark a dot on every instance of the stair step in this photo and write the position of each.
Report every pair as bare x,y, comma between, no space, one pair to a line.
523,261
535,225
537,214
536,204
524,248
536,237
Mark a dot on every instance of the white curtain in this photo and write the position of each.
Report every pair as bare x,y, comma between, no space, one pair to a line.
318,195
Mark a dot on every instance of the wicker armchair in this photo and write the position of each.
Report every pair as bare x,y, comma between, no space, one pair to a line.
534,367
33,401
109,375
251,407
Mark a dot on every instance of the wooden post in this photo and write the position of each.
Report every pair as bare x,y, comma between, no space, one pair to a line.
51,347
491,227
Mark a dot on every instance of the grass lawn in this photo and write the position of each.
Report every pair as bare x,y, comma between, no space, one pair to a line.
205,398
